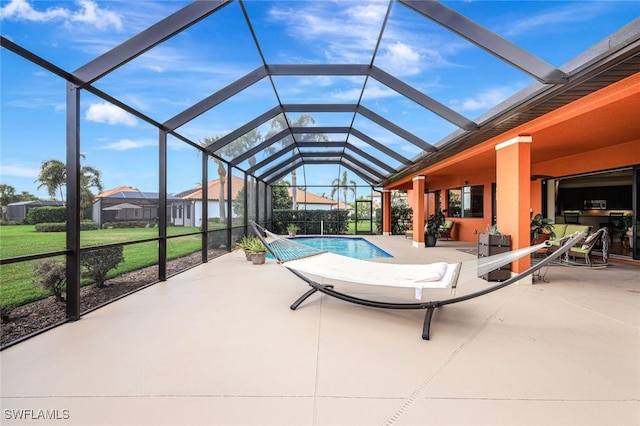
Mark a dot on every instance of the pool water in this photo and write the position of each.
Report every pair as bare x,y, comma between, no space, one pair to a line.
358,248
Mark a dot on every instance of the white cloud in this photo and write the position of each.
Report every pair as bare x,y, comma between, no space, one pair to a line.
19,171
127,144
21,10
552,19
344,34
483,100
108,113
89,12
400,59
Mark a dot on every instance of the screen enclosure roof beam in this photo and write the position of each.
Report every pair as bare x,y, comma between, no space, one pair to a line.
147,39
487,40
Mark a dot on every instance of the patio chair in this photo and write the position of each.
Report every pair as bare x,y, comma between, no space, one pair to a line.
447,229
584,250
302,260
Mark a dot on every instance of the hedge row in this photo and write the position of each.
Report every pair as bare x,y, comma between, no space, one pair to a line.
311,221
129,224
85,225
38,215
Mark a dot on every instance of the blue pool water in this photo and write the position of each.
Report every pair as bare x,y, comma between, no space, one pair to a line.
358,248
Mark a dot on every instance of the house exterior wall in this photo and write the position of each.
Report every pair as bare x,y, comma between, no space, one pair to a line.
577,138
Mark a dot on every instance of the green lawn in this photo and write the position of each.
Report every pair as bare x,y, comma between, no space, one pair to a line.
16,286
363,225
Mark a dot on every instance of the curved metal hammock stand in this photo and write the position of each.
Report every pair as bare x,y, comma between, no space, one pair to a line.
283,255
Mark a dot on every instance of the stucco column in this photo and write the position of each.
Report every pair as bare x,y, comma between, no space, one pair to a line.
418,210
386,212
513,194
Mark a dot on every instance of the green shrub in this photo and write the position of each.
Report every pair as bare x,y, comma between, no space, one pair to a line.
88,225
5,313
51,227
311,221
400,217
37,215
99,262
217,239
129,224
51,276
85,225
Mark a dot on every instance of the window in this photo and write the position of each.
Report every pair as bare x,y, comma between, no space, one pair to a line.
467,201
454,202
188,211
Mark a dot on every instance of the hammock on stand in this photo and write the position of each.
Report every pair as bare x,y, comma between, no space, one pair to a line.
301,259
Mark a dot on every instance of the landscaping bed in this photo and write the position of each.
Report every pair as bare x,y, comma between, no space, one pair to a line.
34,316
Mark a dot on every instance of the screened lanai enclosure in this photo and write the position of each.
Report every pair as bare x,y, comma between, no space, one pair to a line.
206,115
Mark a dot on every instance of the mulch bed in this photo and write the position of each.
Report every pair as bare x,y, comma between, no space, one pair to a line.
35,316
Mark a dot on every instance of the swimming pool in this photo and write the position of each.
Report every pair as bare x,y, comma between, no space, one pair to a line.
355,247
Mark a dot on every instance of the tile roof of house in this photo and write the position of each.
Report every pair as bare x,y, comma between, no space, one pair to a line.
304,197
213,189
195,193
127,192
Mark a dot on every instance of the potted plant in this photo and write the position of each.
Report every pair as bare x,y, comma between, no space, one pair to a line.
258,251
432,228
292,229
542,229
244,244
626,232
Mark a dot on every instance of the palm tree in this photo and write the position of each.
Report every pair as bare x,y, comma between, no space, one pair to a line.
280,123
231,150
53,175
346,185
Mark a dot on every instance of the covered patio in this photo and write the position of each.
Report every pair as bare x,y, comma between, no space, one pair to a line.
218,344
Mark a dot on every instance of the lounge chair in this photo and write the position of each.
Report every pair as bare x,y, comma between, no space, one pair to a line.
303,260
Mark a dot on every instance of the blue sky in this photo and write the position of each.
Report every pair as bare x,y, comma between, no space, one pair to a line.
220,49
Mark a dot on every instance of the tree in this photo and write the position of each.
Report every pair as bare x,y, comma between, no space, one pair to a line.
281,198
280,123
345,184
53,175
7,193
90,177
231,150
23,196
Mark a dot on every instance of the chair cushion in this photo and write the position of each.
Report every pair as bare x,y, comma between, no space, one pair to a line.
581,250
447,224
572,229
560,229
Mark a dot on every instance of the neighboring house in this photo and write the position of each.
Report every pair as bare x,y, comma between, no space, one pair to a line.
185,208
192,199
308,201
17,212
125,203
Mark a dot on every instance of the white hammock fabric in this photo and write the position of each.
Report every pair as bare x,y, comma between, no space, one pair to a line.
337,267
439,275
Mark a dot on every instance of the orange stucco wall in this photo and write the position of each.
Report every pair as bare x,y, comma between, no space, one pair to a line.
598,132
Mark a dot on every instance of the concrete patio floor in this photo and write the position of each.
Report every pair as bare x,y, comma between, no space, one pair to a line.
218,345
